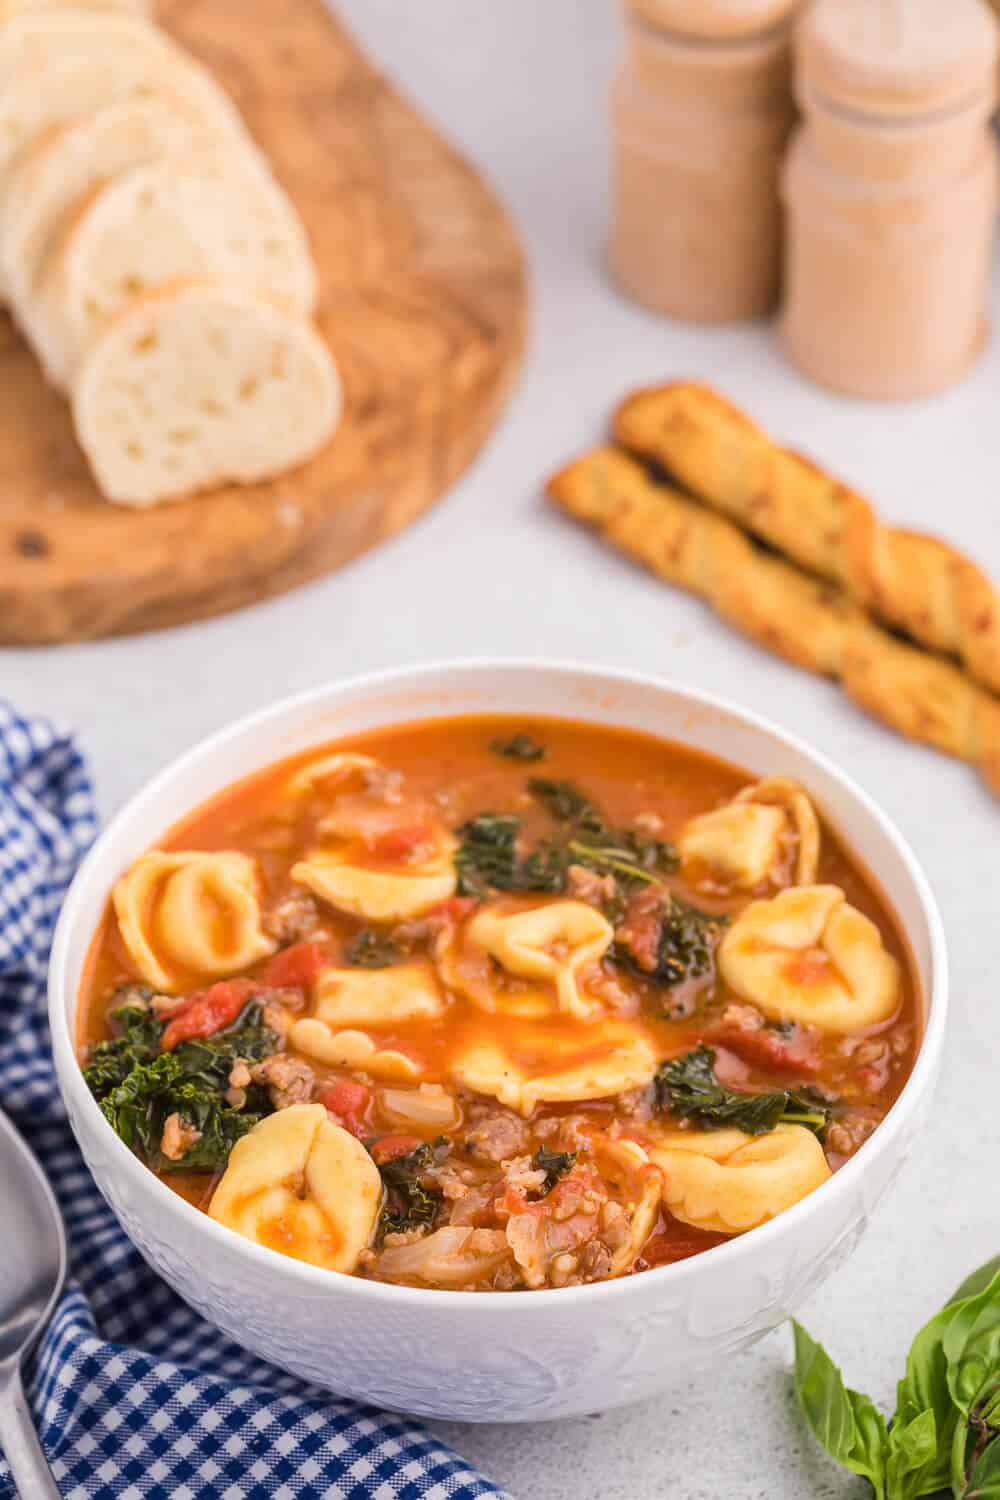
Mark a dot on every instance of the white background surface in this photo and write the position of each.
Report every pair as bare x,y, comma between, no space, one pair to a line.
521,87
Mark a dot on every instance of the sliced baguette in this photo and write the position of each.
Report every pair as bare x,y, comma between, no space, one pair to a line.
66,162
220,215
11,8
200,384
42,33
133,61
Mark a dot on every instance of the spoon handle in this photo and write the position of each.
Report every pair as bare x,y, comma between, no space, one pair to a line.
19,1440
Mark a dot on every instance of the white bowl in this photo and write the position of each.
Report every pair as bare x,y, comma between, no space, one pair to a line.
493,1356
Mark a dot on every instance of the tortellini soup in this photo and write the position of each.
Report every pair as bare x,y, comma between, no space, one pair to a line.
500,1005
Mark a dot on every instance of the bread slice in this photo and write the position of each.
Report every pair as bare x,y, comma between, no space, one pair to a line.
57,80
66,162
200,384
42,33
11,8
220,215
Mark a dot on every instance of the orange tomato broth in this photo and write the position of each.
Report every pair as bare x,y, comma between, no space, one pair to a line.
625,773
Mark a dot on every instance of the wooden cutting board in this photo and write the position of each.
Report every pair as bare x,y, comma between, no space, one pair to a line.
423,302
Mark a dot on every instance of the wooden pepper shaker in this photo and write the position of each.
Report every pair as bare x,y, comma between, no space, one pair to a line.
701,111
891,190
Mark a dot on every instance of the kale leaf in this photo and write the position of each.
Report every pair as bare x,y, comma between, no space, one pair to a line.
488,858
687,943
138,1042
631,857
371,950
545,868
487,855
138,1087
410,1202
555,1165
518,747
685,949
564,801
689,1088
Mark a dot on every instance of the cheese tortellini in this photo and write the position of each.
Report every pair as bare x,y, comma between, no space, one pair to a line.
196,913
379,895
635,1182
547,944
727,1182
536,1064
300,1184
379,997
808,956
749,839
329,771
349,999
352,1049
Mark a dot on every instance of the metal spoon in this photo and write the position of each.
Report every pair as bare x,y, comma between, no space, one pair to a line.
32,1272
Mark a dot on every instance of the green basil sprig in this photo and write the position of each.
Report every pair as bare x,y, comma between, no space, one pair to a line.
944,1438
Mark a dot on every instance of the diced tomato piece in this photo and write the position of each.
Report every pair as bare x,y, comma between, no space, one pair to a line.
348,1101
767,1048
642,926
209,1011
346,1097
455,909
402,843
665,1249
388,1147
296,968
514,1201
730,1068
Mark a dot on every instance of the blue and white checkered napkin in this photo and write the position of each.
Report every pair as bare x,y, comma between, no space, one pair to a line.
135,1396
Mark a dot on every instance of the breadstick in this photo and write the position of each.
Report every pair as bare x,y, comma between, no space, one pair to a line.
913,582
799,617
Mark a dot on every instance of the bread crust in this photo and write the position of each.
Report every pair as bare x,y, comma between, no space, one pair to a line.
201,383
915,583
11,8
70,159
804,619
110,227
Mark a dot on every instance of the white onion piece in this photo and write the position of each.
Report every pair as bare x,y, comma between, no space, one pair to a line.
427,1105
448,1257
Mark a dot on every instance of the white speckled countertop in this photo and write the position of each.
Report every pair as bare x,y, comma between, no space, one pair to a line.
521,87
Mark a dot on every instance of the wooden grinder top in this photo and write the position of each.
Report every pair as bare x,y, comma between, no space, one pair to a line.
898,57
714,20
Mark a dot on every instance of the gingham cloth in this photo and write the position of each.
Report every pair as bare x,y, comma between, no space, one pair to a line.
134,1395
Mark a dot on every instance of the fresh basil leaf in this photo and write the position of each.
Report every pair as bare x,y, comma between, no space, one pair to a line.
977,1282
929,1383
912,1449
988,1402
847,1424
976,1436
984,1482
924,1387
971,1345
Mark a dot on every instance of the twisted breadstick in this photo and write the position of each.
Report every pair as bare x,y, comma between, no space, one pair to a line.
913,582
802,618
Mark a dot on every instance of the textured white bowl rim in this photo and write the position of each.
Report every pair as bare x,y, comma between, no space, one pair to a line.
314,1278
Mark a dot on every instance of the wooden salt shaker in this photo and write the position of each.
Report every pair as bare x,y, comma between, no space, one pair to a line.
891,191
701,111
